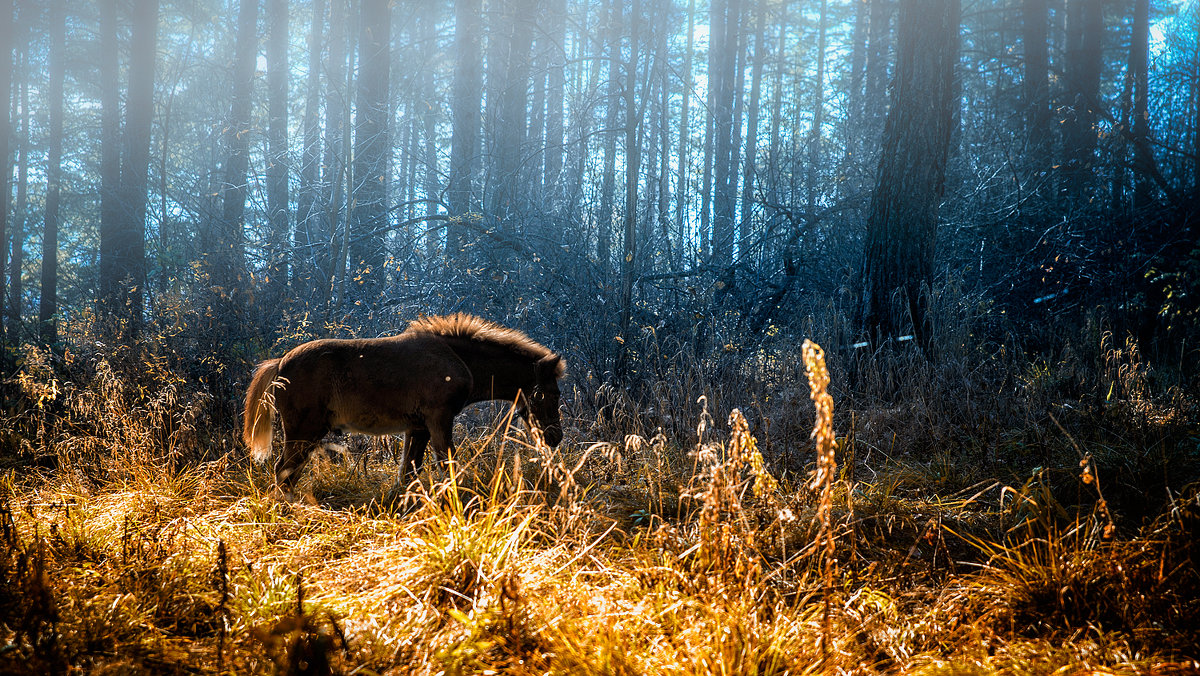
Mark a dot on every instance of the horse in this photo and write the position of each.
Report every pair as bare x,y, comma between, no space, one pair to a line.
414,383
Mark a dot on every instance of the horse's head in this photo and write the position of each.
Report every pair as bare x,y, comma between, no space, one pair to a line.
542,402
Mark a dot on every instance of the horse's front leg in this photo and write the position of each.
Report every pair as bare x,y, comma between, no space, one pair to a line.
440,431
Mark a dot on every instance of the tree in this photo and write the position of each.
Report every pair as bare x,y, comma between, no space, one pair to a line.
277,149
227,263
6,63
1036,80
751,163
902,225
612,108
466,97
48,304
371,142
139,113
1085,35
681,191
111,297
311,241
556,34
723,80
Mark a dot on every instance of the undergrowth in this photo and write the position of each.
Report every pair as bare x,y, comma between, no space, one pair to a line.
672,533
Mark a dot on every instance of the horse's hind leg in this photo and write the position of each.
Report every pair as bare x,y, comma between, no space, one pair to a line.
301,437
287,468
413,455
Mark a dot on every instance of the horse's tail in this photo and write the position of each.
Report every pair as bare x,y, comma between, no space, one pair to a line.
260,410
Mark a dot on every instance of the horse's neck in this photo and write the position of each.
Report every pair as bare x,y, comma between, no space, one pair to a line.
496,375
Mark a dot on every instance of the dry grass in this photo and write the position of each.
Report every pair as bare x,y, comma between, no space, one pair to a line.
638,553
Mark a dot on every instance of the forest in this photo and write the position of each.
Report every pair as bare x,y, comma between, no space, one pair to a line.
867,336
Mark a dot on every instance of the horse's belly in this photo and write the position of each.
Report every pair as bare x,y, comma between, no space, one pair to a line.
375,427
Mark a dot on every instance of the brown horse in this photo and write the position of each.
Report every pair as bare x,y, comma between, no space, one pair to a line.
414,382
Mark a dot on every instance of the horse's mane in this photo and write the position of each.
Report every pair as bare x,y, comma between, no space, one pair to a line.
471,327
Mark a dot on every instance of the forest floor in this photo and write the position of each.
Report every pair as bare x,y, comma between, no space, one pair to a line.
644,556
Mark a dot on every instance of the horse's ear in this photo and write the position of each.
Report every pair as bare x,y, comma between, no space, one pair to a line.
551,364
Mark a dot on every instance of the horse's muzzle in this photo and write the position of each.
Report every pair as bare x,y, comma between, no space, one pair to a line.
553,435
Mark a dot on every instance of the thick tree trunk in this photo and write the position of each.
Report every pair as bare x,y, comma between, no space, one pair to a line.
685,132
110,164
6,68
1139,46
750,166
555,83
311,232
371,144
1036,81
902,227
725,154
20,215
227,263
48,305
1085,35
604,217
814,136
466,100
277,164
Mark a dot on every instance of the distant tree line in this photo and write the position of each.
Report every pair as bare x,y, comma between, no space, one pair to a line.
642,163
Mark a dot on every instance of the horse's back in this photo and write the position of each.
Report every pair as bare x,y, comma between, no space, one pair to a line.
377,386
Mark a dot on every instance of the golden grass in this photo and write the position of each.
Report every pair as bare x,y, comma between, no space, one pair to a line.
628,556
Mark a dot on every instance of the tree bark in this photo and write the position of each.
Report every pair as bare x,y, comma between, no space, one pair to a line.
750,167
48,304
725,153
685,132
814,137
1085,34
6,68
902,227
227,263
604,217
556,81
1139,47
20,215
371,143
467,98
110,164
1036,81
311,235
139,114
277,163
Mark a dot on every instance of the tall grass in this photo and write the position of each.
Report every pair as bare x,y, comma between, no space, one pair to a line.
712,523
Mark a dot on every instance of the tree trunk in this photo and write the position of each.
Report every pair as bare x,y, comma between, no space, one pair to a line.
1085,34
311,234
1139,45
6,68
750,168
277,162
685,132
604,217
48,305
814,137
139,114
467,98
110,164
1036,82
227,261
20,215
902,226
371,144
633,125
724,150
430,156
557,19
